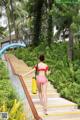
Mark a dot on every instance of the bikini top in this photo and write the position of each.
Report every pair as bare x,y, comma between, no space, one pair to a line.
41,69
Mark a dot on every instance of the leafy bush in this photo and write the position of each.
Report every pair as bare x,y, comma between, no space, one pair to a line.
15,112
7,93
3,71
77,76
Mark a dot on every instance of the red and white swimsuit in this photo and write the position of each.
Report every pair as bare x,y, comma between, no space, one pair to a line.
41,78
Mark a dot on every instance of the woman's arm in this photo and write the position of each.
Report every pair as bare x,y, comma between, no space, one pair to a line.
48,72
29,72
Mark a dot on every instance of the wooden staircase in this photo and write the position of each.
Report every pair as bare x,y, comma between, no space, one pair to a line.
58,108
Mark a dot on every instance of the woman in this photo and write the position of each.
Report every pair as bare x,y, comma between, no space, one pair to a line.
42,70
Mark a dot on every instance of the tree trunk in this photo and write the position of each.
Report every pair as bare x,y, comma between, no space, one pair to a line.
50,24
6,9
9,30
70,46
37,21
13,19
50,30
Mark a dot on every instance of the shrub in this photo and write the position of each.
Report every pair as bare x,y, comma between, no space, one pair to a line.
7,93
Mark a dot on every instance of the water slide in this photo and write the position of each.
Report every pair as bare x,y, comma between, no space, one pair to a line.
12,45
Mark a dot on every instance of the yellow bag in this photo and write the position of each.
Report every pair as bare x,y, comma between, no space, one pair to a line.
34,86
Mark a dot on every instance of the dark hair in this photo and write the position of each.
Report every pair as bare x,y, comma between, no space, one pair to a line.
41,57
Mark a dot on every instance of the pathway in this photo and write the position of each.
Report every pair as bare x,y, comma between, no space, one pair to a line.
58,108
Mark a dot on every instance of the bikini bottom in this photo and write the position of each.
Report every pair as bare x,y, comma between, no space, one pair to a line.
41,79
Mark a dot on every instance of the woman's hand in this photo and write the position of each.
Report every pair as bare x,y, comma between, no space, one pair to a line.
31,71
48,72
25,74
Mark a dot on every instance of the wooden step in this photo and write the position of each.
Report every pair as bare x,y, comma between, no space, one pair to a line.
60,115
56,103
52,95
68,117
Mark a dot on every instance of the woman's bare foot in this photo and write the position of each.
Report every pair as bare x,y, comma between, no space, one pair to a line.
45,112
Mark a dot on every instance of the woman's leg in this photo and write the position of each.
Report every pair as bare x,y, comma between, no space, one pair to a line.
40,92
44,96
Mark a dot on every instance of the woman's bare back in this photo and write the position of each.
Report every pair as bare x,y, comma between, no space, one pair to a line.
42,65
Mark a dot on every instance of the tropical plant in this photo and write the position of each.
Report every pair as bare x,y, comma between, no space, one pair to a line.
14,113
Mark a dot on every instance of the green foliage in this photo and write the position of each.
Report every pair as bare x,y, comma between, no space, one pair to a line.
3,71
7,93
74,27
15,112
77,76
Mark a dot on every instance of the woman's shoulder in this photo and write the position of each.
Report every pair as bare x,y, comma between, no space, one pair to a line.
43,64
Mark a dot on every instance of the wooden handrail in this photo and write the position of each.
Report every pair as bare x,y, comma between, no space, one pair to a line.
36,116
33,109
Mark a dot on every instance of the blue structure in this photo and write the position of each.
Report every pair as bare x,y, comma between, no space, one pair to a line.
12,45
